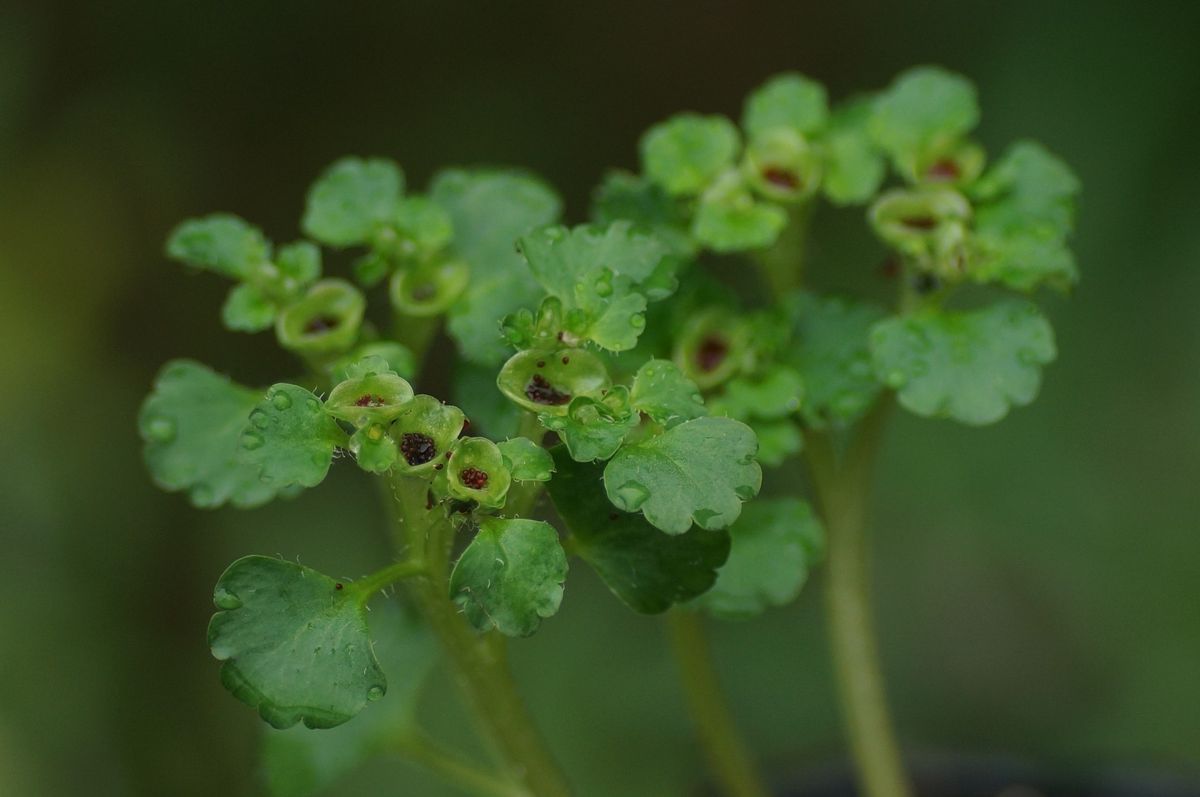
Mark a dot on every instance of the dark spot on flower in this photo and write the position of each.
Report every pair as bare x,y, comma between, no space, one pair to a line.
539,391
424,292
890,268
781,178
438,466
370,400
417,448
338,585
922,223
566,360
712,353
944,170
541,363
466,427
474,478
321,324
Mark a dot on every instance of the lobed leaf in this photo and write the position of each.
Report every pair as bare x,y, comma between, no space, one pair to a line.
352,199
789,100
648,570
489,210
662,391
699,471
594,428
730,219
289,438
688,151
510,576
222,243
774,545
526,460
924,111
294,643
191,424
247,309
969,366
854,166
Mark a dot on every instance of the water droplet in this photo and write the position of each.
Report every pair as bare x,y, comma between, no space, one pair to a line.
604,286
631,495
224,599
637,322
251,441
374,693
281,400
259,419
161,430
313,405
895,378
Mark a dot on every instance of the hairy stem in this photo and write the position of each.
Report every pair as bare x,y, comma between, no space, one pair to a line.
782,265
479,660
842,486
727,755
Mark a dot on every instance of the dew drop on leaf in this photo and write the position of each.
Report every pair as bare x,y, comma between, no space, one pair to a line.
281,400
259,419
161,430
224,599
632,495
252,441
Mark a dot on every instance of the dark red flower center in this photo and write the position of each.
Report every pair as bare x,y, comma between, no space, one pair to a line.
922,223
474,478
539,391
370,400
944,170
321,323
781,178
417,448
711,354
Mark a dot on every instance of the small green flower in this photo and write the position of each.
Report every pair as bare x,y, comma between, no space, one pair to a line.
546,381
377,396
927,225
477,473
425,431
428,290
781,165
325,321
714,346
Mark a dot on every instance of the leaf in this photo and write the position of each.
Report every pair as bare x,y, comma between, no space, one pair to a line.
923,112
687,152
771,395
594,428
352,199
606,272
295,645
775,544
289,438
854,166
299,263
662,391
1023,262
300,762
526,460
247,309
789,100
510,576
624,196
833,358
648,570
730,219
423,225
1028,191
191,425
700,471
221,243
489,211
970,366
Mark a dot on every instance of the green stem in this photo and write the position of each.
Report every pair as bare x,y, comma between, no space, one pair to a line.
415,332
783,264
367,586
842,488
727,755
522,496
453,768
479,661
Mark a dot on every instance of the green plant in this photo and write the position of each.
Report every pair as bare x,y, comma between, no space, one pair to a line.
665,395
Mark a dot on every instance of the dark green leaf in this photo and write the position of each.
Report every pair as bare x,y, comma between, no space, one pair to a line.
247,309
289,438
352,199
526,460
662,391
648,570
687,152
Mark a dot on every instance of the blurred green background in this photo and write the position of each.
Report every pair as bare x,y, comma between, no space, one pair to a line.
1038,581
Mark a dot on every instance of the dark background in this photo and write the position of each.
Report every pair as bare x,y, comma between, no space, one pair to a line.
1037,580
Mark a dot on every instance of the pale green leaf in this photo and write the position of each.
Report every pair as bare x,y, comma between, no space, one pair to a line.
775,543
289,438
969,366
662,391
526,460
191,425
854,166
730,219
789,100
353,199
247,309
700,471
687,152
925,111
594,428
510,576
222,243
294,643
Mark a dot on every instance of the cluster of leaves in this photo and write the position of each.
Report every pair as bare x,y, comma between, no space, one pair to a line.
952,223
661,395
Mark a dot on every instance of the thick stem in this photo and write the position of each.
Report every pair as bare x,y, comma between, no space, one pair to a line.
479,661
842,488
453,768
783,264
727,755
